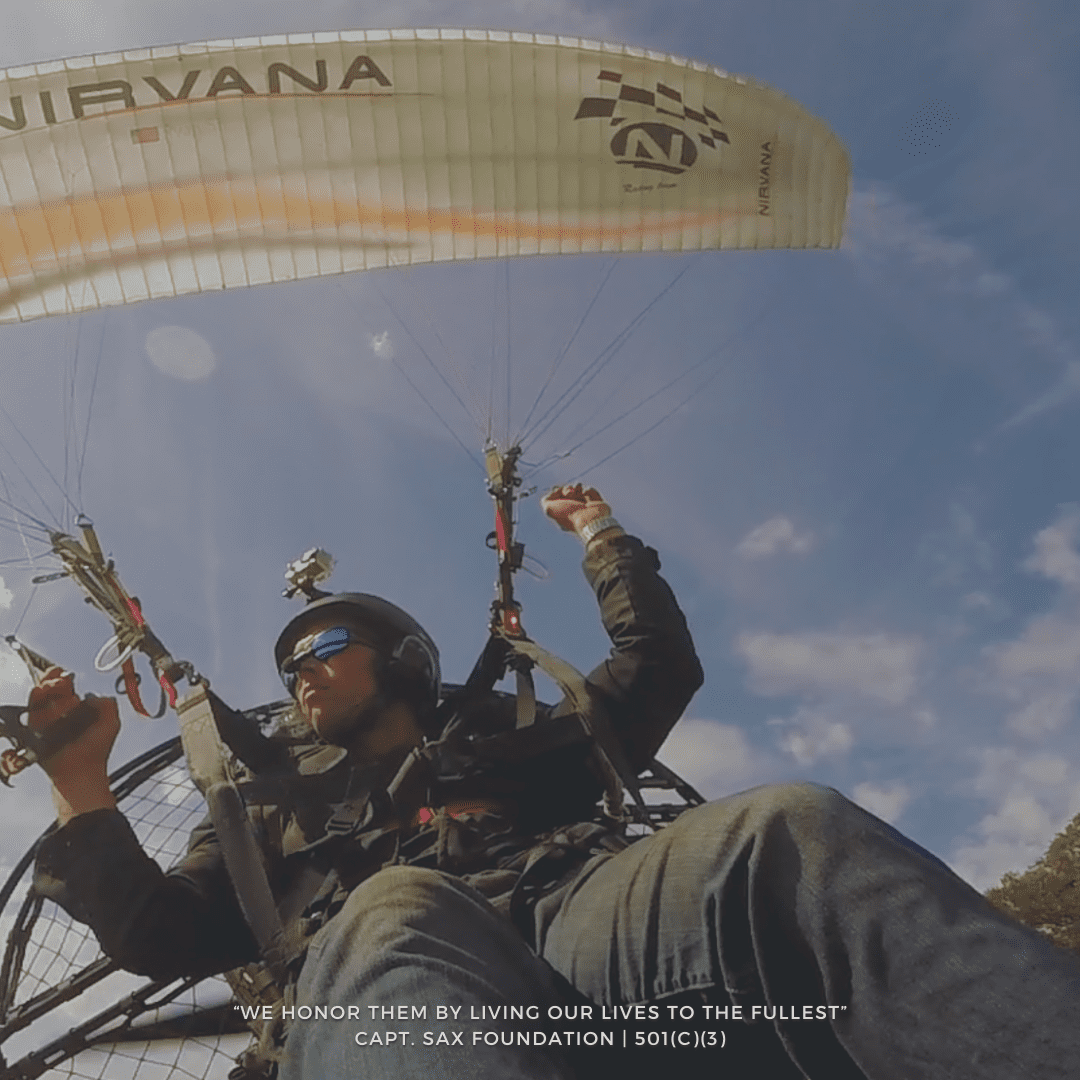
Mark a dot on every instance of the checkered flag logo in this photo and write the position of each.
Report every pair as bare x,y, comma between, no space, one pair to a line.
657,144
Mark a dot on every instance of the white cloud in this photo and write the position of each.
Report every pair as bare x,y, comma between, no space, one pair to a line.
1055,555
882,224
382,346
1039,670
1020,819
715,758
876,666
925,718
6,595
886,801
957,552
883,227
773,536
1065,389
1044,714
1032,799
1049,645
990,284
813,734
15,682
893,239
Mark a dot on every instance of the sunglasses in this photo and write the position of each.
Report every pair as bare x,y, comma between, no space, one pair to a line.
321,646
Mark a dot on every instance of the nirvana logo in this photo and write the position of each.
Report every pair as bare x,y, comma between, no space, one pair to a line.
656,144
197,85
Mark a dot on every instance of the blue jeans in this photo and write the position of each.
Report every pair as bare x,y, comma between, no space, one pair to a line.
777,899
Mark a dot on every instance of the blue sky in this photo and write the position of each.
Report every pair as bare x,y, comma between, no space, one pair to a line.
869,513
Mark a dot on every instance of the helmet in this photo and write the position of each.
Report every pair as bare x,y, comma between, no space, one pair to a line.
409,656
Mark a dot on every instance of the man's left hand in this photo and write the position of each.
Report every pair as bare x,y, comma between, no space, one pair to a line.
572,507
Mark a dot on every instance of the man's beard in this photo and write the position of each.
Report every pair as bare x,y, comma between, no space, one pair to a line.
343,730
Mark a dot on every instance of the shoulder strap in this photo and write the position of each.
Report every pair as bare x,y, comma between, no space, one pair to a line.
207,764
594,719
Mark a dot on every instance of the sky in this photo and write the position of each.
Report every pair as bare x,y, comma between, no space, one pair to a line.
868,512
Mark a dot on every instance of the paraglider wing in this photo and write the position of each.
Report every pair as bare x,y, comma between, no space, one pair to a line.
166,171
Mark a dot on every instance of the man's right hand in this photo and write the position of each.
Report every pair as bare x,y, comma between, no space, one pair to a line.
79,770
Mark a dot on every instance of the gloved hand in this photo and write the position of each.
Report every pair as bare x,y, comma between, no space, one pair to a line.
79,770
572,507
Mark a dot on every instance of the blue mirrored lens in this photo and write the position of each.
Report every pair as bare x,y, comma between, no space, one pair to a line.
330,643
324,645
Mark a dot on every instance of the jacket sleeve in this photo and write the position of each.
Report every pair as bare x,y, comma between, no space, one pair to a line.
183,922
653,670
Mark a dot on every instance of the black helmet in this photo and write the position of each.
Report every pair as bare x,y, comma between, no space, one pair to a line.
410,657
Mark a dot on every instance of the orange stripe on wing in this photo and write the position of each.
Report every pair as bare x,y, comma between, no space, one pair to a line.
63,235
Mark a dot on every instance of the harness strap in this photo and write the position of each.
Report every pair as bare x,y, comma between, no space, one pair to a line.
246,870
243,860
610,758
199,735
130,679
526,696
